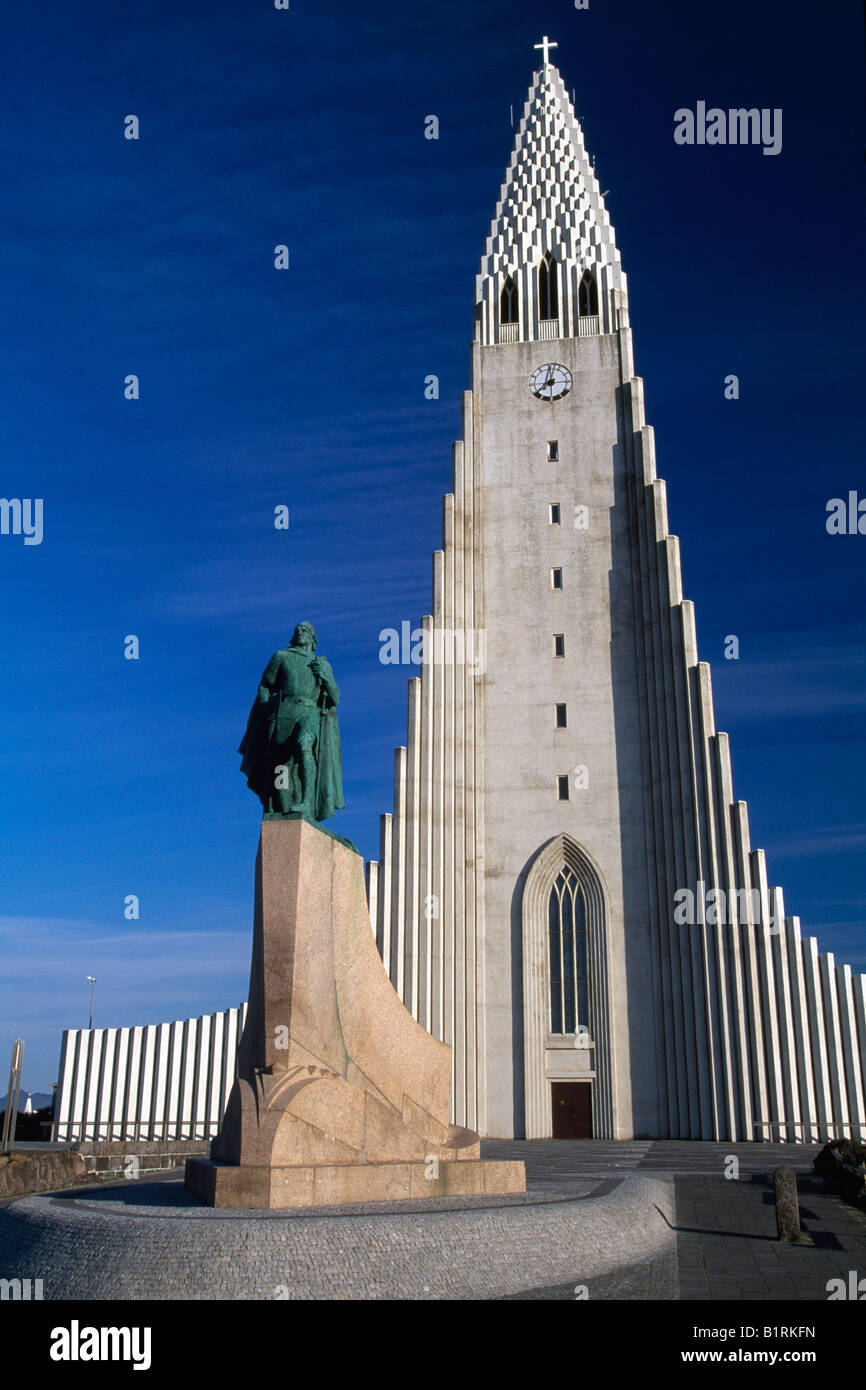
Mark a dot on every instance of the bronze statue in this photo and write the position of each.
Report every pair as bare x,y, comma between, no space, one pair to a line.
291,749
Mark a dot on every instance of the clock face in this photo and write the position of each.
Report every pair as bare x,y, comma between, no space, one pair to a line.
550,382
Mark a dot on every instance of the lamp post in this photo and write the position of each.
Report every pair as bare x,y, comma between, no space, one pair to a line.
10,1119
92,979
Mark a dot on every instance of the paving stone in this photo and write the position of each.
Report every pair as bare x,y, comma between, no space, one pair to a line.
719,1241
738,1237
151,1241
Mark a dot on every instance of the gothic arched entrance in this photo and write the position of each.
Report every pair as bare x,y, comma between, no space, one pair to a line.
566,1006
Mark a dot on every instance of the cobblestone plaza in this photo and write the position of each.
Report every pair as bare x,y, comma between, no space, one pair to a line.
604,1221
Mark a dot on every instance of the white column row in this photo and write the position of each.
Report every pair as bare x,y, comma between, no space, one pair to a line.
762,1037
161,1081
424,890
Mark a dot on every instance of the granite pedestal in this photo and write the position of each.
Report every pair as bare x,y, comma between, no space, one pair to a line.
341,1096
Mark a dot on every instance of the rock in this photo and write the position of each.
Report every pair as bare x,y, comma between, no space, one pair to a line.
22,1173
842,1164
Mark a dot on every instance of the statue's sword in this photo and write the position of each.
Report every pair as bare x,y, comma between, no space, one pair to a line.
273,713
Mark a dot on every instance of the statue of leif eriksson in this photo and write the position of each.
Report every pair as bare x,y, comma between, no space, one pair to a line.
291,749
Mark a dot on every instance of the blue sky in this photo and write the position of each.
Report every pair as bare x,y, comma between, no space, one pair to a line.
306,388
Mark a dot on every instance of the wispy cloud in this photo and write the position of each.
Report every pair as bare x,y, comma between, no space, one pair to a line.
821,840
816,681
142,977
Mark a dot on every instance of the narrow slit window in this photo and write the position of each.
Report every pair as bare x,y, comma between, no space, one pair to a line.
587,295
508,302
556,579
561,717
548,288
559,644
555,517
553,450
562,783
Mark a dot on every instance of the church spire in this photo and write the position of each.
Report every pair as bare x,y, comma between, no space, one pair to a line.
551,257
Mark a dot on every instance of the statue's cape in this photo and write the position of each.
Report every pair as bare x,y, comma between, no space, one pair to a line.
257,761
329,767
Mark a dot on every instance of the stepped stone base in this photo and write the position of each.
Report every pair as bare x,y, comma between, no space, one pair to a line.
322,1185
341,1096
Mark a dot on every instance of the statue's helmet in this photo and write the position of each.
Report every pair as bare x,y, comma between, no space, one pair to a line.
303,628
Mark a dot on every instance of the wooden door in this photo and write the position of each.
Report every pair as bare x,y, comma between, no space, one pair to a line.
572,1109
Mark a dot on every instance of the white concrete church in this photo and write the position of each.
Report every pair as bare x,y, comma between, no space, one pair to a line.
566,890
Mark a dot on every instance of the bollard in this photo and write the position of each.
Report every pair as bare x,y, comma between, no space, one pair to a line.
787,1204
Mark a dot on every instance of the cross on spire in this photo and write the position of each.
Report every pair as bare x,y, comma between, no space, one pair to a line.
546,45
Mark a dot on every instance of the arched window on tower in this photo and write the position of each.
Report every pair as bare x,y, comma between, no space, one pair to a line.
548,288
508,302
587,295
569,996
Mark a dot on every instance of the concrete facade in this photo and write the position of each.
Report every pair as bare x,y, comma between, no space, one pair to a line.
161,1081
713,1020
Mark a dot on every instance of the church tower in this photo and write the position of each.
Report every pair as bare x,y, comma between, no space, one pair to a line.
566,891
